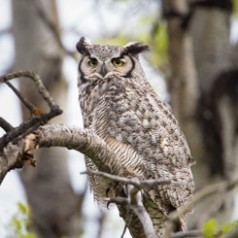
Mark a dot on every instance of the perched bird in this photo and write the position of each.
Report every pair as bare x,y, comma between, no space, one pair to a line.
119,105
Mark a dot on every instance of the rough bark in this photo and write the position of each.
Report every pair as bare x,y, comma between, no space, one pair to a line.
207,110
55,206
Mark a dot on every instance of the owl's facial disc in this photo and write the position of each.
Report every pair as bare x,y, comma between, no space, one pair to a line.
93,67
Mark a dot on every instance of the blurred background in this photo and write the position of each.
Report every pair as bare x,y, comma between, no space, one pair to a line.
192,64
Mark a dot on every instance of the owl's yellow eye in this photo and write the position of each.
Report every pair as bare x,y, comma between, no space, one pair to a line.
118,62
92,62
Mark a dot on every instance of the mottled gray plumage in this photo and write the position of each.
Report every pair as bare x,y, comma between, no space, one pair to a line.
119,105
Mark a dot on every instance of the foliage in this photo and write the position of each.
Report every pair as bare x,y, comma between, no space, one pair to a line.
235,7
19,223
117,40
160,44
213,230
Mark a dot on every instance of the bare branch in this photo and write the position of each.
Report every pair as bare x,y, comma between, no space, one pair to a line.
183,234
12,157
71,137
37,81
32,124
6,126
27,104
123,232
139,184
117,200
136,204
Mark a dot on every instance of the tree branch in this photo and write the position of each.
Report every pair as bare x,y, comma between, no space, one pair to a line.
138,208
27,104
71,137
37,81
6,126
133,181
183,234
33,123
13,156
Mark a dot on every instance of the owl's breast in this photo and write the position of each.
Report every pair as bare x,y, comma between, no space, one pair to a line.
135,116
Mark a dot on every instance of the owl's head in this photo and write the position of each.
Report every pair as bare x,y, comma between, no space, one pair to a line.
104,61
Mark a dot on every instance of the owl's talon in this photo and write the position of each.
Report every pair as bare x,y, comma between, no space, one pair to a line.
107,192
108,204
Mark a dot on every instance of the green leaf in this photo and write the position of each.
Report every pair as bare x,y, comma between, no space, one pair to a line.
19,223
16,223
229,227
28,235
23,208
210,228
160,41
235,7
117,40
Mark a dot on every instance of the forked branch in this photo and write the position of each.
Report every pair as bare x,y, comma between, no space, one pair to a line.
12,154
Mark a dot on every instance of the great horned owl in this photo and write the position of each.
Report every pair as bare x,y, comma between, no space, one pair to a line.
119,105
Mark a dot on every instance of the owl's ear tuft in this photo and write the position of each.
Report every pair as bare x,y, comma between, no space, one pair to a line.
135,48
82,46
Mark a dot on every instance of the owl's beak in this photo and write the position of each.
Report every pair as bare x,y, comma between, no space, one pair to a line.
103,70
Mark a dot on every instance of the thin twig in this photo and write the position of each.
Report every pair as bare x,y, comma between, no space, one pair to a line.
37,81
27,104
136,204
124,231
184,234
117,200
32,124
6,126
137,183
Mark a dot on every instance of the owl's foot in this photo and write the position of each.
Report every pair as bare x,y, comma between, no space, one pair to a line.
107,192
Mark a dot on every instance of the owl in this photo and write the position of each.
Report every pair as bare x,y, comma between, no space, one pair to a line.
119,105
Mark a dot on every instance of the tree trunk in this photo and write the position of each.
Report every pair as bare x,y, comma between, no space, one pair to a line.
56,209
203,96
210,30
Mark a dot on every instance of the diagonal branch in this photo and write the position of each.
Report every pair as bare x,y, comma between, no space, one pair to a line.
27,104
37,81
71,137
189,234
138,208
